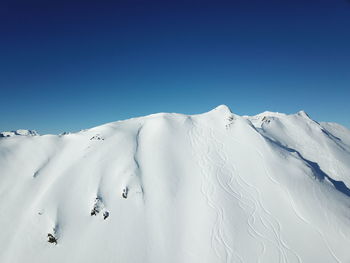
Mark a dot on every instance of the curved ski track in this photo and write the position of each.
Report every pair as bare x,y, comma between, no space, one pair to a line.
248,198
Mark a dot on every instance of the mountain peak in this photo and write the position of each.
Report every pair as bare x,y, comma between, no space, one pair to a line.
222,109
302,113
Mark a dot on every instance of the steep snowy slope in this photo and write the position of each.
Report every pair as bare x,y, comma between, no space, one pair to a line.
214,187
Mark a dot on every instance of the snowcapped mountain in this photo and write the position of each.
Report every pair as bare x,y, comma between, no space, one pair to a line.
213,187
18,133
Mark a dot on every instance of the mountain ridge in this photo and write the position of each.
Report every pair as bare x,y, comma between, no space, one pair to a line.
212,187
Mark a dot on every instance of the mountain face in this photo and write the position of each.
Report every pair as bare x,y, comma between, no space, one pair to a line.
213,187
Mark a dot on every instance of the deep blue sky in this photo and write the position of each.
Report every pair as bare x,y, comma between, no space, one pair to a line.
69,65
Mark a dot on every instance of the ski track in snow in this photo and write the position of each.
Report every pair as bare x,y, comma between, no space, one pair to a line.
270,223
250,198
319,231
293,205
208,189
299,215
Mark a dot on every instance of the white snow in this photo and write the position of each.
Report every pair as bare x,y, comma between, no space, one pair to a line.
212,187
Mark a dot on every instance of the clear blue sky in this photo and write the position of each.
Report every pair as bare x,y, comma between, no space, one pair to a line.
70,65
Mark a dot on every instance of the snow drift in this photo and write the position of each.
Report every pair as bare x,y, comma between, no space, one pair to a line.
213,187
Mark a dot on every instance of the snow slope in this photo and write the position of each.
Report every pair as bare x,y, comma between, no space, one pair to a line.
213,187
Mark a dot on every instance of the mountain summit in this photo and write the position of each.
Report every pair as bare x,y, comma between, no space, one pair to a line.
212,187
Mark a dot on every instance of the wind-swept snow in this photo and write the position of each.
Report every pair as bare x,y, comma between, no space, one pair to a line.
213,187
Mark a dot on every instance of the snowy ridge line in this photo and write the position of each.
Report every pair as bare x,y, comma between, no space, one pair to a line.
136,160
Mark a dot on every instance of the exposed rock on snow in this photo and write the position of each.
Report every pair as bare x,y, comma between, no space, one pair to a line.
51,238
97,137
99,207
65,133
105,215
125,192
213,187
18,133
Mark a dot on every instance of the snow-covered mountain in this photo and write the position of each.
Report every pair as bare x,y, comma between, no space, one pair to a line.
18,133
213,187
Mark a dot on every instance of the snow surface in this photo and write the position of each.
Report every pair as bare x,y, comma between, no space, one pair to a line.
213,187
